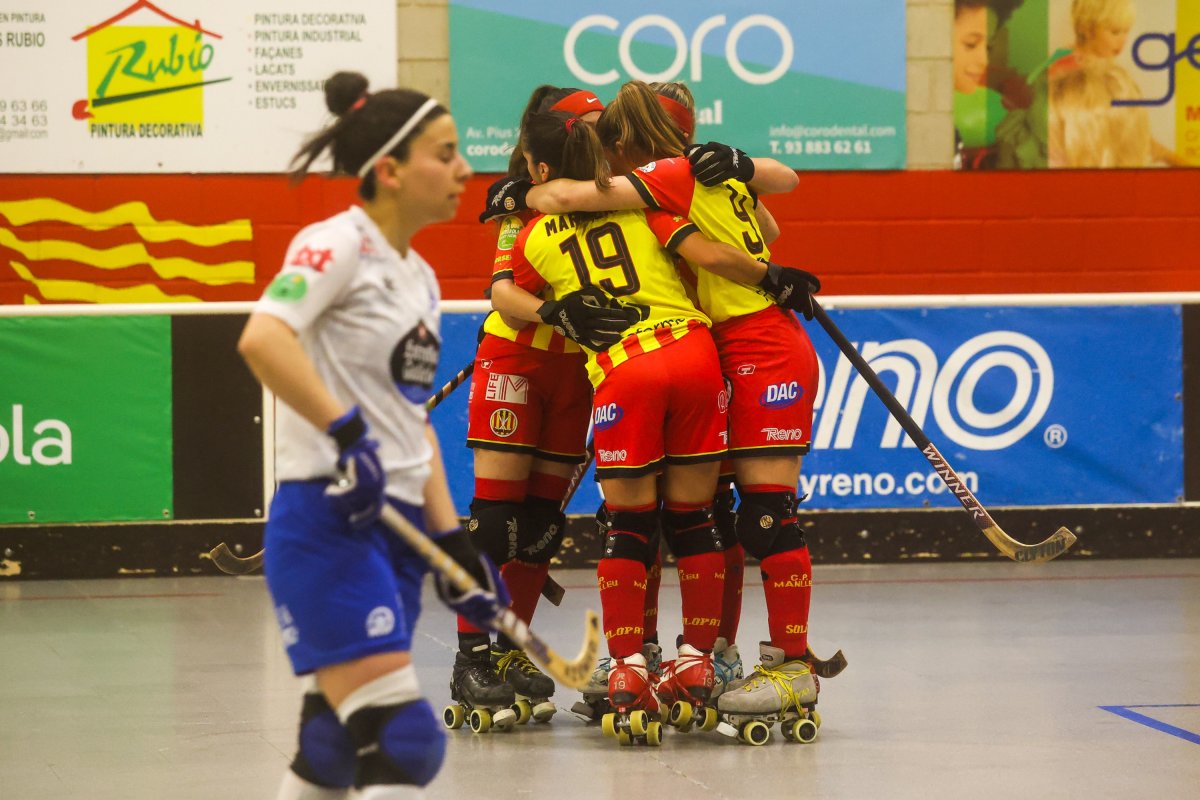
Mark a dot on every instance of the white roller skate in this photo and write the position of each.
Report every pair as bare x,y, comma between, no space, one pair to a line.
532,687
634,717
777,691
480,696
727,667
686,688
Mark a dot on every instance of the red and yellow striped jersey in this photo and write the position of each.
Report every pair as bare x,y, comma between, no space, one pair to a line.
725,213
532,334
622,253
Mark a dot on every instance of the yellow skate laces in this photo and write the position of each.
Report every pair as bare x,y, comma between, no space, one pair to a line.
518,659
781,681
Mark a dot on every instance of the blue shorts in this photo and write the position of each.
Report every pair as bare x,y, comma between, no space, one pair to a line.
339,594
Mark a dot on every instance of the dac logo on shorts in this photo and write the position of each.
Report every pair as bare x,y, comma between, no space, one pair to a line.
508,389
503,422
380,622
780,395
606,416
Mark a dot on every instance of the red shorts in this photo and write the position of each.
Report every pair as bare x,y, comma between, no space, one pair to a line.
772,371
665,405
526,400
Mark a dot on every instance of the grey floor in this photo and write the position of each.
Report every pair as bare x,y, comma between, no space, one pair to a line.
965,681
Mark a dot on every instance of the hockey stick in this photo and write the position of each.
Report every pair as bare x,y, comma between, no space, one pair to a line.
551,589
1055,545
230,564
574,674
825,668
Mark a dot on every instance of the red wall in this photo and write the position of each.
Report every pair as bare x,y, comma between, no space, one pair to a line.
862,233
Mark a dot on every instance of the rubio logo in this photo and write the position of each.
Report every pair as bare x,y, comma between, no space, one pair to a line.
780,395
145,76
948,390
604,417
49,444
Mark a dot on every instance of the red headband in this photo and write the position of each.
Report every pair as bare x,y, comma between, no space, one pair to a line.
679,114
579,103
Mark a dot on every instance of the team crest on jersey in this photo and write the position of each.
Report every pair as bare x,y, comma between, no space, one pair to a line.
503,388
503,422
414,363
380,622
288,287
648,167
508,233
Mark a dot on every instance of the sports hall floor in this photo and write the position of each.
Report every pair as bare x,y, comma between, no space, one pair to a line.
1068,680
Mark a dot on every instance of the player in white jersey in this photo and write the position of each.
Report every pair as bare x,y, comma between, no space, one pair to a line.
346,336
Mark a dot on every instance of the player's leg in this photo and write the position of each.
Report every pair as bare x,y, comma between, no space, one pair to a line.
727,661
323,767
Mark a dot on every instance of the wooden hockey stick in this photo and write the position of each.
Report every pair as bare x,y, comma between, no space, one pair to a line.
551,589
574,674
230,564
825,668
1055,545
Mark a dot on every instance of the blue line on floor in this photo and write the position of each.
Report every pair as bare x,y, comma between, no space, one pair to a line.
1150,722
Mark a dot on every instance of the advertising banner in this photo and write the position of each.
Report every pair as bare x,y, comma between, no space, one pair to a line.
1062,84
818,84
1031,406
85,419
178,85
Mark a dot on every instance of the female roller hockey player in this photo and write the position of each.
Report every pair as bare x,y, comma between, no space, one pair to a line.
346,336
528,415
659,402
765,355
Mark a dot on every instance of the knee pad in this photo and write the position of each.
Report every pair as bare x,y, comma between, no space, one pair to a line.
495,528
325,755
630,534
399,738
724,518
691,533
541,530
760,523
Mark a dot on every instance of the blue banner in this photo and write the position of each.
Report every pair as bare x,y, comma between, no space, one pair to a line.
1031,406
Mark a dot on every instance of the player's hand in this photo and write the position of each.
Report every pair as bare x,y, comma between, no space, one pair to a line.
358,495
483,604
506,196
590,317
714,163
792,288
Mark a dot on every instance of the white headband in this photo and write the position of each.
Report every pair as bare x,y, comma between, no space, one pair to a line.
405,129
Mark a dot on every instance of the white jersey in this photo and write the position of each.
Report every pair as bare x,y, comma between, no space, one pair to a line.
369,320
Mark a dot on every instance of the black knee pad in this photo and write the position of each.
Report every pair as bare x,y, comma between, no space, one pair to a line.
495,528
691,533
760,522
401,744
325,755
541,530
724,518
629,535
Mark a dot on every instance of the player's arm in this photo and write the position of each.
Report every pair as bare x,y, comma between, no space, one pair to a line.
439,505
767,226
720,259
563,195
515,303
773,177
273,352
714,163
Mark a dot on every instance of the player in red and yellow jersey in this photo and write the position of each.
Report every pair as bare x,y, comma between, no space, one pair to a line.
659,399
765,354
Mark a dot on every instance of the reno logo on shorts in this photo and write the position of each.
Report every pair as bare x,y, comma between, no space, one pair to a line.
414,363
508,389
612,456
380,622
780,395
605,417
503,422
784,434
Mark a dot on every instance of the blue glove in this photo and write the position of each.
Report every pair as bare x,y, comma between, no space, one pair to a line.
358,495
489,599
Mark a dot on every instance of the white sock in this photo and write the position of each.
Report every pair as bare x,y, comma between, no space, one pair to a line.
394,792
296,788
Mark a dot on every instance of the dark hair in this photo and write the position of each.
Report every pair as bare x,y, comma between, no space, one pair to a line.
637,120
541,99
568,146
1003,8
364,124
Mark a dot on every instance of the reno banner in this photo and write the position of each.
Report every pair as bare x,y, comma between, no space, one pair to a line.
177,85
1069,84
818,84
1031,406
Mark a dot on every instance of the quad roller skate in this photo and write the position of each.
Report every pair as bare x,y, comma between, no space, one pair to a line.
631,696
532,687
777,691
480,697
686,688
727,668
594,704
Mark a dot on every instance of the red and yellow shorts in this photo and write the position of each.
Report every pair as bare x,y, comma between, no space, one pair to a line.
772,371
664,405
526,400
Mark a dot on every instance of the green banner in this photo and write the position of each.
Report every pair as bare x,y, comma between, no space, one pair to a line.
85,419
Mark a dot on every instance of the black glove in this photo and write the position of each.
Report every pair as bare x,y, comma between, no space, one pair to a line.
714,163
792,288
483,604
588,316
506,196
